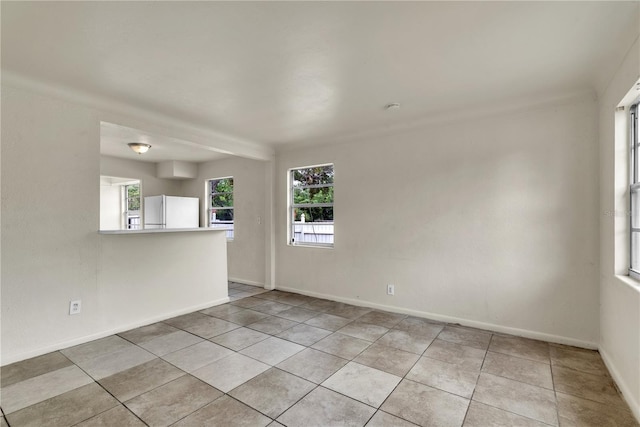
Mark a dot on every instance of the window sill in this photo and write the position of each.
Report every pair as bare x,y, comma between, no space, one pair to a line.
302,245
629,281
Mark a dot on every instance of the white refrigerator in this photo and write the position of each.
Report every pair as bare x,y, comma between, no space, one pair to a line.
171,212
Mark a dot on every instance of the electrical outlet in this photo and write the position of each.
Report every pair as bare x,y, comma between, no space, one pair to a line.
391,290
75,307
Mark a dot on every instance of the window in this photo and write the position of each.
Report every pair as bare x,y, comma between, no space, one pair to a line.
634,192
120,203
221,204
132,206
311,206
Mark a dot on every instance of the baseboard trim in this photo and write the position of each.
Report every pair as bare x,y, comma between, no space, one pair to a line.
622,385
451,319
12,358
246,282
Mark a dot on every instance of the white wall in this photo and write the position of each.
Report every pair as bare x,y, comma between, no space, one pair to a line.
619,295
150,184
246,251
490,222
110,207
52,251
148,276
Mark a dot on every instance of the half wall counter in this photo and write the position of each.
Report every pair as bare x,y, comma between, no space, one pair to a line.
147,276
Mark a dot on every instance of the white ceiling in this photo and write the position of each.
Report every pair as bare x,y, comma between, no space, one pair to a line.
114,139
292,72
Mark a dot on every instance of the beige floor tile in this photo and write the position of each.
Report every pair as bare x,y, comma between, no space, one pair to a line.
108,364
388,359
413,342
294,299
365,384
273,295
202,325
365,331
304,334
322,408
221,310
140,379
245,317
593,387
297,314
517,397
272,350
328,322
320,305
272,307
148,333
272,325
66,409
171,342
272,392
444,376
481,415
427,406
94,349
118,416
516,368
348,311
467,358
228,373
34,367
313,365
255,291
3,422
520,347
578,412
37,389
578,359
425,327
239,295
382,318
342,345
239,338
466,336
513,388
173,401
191,358
249,302
382,419
225,411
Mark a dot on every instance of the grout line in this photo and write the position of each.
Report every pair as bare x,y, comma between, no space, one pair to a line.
316,386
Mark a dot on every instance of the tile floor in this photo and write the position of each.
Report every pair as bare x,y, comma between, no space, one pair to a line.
276,358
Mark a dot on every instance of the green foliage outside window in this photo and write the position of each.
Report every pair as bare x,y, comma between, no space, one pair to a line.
221,191
133,197
313,186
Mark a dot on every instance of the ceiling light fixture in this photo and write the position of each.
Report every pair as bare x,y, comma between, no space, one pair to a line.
139,147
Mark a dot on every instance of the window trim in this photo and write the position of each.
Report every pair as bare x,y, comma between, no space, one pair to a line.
292,206
127,212
634,180
209,208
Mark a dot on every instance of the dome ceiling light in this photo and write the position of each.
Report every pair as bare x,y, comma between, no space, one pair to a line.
139,147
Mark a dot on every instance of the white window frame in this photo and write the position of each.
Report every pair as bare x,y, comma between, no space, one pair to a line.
292,206
127,214
634,186
230,228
